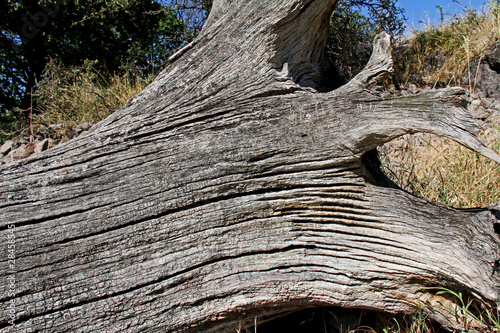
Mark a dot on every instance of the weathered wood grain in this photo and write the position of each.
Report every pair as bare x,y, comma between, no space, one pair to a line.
242,182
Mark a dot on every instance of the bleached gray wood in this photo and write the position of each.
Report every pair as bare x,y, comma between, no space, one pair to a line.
242,182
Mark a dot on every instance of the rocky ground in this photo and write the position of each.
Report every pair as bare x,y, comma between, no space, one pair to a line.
24,146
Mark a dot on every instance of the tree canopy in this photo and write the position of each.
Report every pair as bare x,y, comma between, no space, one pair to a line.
353,26
119,34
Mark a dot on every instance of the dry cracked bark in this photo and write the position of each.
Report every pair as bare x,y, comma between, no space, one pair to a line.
242,182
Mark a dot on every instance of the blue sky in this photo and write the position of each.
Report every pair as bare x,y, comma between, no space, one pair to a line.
420,12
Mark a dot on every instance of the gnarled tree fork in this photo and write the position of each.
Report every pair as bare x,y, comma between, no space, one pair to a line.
243,182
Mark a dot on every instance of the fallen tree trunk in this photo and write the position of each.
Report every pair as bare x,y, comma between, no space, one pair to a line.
242,182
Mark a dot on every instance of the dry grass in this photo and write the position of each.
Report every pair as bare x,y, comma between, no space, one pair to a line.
68,96
442,54
436,169
445,172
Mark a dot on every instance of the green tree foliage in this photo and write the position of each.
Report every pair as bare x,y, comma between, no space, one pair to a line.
192,12
353,27
118,34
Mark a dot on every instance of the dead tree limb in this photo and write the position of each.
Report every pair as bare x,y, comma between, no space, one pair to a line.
242,182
